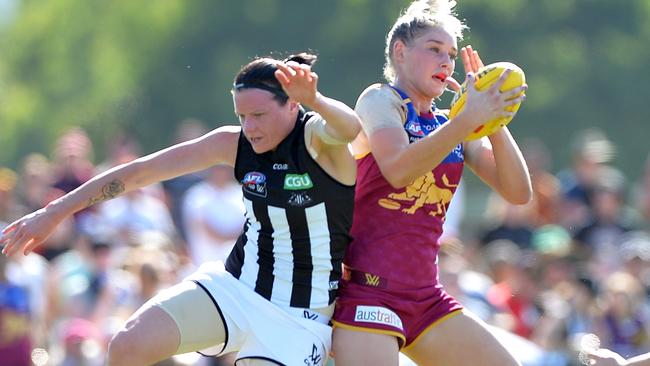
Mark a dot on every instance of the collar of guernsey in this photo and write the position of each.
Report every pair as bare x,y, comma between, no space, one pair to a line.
418,126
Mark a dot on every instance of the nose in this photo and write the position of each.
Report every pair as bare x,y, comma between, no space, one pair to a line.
248,124
446,61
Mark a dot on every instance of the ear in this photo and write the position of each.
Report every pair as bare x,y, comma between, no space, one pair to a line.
293,105
398,50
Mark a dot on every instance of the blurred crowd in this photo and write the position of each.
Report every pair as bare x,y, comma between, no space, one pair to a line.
575,260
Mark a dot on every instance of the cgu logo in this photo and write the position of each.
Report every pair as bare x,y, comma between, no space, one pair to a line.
253,178
297,181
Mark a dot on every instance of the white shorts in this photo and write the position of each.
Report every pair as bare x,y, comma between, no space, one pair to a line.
255,327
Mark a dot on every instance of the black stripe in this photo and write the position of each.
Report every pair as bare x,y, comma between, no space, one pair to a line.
235,260
302,260
338,244
223,320
265,258
260,358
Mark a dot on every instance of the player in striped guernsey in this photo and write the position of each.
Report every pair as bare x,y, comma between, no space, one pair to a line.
410,161
274,300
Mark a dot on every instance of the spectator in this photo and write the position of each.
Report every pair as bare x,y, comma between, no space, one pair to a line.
599,239
213,215
15,320
591,151
176,188
623,326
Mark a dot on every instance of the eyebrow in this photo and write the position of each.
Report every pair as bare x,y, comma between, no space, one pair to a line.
440,43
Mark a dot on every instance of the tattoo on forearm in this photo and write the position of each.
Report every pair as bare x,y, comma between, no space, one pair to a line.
109,190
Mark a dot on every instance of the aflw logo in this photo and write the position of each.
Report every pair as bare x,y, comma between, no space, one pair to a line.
372,280
378,315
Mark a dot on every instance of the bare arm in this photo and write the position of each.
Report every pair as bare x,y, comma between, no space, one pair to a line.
498,161
605,357
641,360
218,146
327,138
301,84
402,162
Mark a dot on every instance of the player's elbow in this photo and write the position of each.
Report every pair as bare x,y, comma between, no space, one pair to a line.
397,180
353,128
519,196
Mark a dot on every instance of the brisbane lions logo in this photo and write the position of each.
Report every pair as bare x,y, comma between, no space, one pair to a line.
423,191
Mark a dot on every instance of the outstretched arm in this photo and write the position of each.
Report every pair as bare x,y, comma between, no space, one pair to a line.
301,84
28,232
605,357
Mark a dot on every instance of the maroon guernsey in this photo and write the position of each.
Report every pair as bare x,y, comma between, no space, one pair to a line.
396,231
391,283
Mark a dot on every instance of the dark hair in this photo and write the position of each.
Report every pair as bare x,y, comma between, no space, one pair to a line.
260,74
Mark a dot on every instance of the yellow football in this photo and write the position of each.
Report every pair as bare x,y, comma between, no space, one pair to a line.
485,78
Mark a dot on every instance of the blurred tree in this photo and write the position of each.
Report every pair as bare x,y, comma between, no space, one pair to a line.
144,66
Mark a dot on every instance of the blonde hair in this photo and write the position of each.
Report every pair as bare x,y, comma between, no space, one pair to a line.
420,16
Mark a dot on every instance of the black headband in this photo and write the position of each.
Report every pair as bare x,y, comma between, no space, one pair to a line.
277,91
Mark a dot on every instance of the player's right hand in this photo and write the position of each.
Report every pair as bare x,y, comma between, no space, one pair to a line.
28,232
605,357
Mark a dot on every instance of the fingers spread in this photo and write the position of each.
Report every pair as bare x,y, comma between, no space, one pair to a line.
470,80
464,56
8,239
282,77
9,228
477,60
30,245
15,243
472,58
514,93
502,79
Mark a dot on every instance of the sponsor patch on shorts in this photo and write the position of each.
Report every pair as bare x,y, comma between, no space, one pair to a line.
377,315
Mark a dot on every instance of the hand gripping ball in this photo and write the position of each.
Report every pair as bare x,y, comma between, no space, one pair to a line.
485,78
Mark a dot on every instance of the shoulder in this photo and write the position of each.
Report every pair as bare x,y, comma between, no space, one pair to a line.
380,106
225,134
377,95
229,130
311,117
219,144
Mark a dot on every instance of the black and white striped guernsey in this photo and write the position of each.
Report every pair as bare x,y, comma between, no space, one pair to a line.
297,223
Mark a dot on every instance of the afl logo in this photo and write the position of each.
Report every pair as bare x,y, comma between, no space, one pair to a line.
255,183
414,129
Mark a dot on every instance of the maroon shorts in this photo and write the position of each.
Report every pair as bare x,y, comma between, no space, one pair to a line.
369,303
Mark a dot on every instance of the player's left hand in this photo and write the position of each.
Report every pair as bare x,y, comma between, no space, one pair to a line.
298,81
471,59
471,63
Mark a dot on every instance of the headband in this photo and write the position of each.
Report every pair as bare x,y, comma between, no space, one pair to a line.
277,91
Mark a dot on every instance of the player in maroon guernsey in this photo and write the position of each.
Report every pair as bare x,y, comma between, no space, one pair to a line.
410,158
